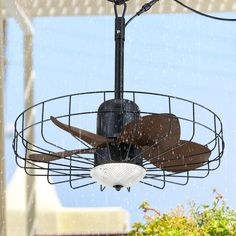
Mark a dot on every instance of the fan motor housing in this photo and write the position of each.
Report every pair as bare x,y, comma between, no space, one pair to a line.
112,116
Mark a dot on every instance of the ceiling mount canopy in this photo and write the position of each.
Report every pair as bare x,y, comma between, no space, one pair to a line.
118,2
131,144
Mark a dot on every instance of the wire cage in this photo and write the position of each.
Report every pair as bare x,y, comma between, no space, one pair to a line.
198,124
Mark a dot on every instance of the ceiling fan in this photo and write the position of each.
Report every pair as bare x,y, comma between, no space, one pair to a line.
126,139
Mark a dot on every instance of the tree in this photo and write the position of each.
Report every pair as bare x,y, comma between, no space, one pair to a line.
204,220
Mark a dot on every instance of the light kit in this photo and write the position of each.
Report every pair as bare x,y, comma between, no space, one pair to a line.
140,137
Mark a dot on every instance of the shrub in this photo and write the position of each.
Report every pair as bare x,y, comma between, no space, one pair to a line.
204,220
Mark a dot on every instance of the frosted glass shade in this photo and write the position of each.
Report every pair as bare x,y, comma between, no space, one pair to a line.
118,174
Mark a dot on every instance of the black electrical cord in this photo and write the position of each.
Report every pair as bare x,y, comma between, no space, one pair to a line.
143,9
203,14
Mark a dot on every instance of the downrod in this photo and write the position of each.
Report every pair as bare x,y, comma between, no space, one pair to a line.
119,51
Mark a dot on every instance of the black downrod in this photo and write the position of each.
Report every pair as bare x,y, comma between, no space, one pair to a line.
119,52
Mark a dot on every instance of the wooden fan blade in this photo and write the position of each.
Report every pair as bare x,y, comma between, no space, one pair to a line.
58,155
163,129
184,157
90,138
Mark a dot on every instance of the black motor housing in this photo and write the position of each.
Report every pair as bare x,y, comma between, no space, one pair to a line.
112,116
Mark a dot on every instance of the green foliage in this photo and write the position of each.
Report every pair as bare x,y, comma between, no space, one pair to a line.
204,220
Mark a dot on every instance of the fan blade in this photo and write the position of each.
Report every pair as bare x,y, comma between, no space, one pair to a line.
162,129
58,155
184,157
90,138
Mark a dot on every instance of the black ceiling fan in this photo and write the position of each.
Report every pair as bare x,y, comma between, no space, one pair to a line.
126,139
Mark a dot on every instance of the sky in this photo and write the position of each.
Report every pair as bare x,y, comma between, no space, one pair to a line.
183,55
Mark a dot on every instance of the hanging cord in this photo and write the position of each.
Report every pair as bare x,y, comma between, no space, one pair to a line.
143,9
203,14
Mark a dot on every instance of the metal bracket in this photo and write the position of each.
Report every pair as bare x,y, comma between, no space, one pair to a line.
118,2
102,188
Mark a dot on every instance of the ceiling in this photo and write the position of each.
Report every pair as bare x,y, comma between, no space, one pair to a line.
35,8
